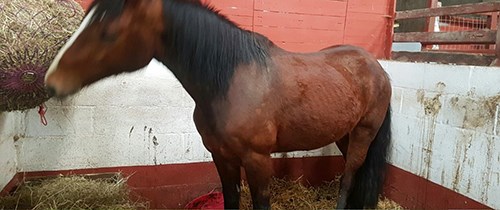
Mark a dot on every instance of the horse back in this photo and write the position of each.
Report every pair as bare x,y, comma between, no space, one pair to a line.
365,70
341,71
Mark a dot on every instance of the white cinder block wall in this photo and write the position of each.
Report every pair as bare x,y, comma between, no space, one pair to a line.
11,129
445,126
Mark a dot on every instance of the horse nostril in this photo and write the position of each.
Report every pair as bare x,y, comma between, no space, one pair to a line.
50,90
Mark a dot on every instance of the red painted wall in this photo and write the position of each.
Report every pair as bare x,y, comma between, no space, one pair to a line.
310,25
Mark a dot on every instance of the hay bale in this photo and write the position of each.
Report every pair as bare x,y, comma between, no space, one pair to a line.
72,192
31,33
288,195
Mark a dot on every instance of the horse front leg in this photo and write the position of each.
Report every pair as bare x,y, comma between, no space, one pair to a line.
258,169
230,177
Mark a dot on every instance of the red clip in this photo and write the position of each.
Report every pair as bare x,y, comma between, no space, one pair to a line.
41,111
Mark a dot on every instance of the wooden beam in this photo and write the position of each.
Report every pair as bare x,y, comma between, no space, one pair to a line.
430,22
491,23
444,58
460,37
449,10
389,33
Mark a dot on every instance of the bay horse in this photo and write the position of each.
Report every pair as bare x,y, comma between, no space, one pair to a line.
252,97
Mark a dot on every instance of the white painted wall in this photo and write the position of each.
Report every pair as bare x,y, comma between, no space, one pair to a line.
145,118
457,143
11,128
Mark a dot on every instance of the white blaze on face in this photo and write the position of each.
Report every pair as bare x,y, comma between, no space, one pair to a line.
55,62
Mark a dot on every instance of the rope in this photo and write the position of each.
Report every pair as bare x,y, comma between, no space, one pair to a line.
41,111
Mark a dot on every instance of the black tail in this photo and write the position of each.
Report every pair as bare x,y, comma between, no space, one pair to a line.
369,178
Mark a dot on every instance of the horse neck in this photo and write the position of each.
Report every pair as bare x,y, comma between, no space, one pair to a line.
203,49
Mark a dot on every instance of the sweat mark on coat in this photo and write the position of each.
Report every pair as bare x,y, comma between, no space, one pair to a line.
303,90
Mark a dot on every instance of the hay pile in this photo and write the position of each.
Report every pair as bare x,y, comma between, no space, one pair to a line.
289,195
31,33
72,192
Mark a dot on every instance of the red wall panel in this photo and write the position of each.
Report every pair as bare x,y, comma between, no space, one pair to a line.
368,24
310,7
310,25
291,20
371,7
301,25
368,31
239,11
301,39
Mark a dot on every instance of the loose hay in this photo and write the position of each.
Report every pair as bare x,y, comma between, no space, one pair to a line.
288,195
73,192
31,33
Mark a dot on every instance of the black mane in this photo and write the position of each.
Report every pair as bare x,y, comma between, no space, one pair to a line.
207,47
202,46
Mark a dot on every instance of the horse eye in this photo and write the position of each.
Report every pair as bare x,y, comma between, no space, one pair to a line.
106,36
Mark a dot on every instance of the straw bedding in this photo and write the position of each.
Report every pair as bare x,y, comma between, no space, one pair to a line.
77,192
288,195
31,33
72,192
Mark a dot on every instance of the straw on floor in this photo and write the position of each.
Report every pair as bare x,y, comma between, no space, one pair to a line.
290,195
72,192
